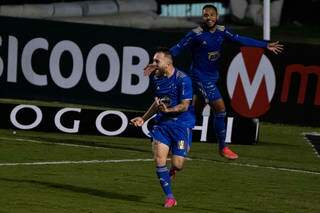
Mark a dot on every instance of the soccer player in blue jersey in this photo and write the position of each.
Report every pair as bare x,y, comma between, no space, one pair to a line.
205,43
172,132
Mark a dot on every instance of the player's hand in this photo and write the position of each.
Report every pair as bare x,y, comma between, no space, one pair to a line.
150,68
275,47
162,107
137,121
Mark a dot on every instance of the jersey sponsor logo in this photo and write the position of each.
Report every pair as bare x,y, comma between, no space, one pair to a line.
166,100
251,82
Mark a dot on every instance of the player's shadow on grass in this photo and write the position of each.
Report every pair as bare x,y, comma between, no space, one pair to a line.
79,189
96,192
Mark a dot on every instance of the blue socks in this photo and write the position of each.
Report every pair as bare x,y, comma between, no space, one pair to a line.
165,182
220,128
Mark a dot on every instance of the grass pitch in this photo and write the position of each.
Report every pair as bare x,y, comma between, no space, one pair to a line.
46,172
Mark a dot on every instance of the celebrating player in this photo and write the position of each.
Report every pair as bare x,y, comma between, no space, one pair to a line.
205,43
174,119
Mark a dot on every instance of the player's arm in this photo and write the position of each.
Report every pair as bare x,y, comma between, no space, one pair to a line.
182,107
185,43
151,111
246,41
274,47
139,121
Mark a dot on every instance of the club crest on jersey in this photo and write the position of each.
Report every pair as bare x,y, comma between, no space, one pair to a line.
181,144
204,43
212,56
166,100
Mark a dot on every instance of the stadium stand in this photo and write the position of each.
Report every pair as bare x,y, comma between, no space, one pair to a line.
128,13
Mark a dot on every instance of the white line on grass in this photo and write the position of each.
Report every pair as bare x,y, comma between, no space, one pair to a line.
132,160
148,160
309,142
264,167
277,168
74,162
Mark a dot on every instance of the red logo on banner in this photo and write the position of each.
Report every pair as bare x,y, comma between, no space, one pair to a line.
251,82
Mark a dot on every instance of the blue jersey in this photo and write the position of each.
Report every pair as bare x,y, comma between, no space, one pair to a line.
172,91
205,48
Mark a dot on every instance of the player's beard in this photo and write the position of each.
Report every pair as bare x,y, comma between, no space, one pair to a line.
208,27
159,71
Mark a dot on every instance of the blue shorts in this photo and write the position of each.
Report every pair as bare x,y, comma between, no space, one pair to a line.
177,138
207,89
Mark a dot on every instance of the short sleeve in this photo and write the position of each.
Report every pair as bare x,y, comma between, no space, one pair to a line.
186,88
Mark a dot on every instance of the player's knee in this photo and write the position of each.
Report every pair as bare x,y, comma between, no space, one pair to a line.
160,160
178,168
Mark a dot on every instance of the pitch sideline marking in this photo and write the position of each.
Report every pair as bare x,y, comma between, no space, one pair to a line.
311,144
274,168
148,160
132,160
74,162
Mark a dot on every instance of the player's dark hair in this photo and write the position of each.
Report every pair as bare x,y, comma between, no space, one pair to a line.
165,51
210,6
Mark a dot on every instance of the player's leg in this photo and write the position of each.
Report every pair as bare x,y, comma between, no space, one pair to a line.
161,151
180,138
161,148
211,93
219,111
220,128
180,148
177,163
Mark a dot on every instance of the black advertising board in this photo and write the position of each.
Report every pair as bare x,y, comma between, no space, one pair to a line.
103,65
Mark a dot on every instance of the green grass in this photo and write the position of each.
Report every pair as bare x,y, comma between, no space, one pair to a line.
254,183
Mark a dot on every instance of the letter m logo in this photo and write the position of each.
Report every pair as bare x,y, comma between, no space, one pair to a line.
251,82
